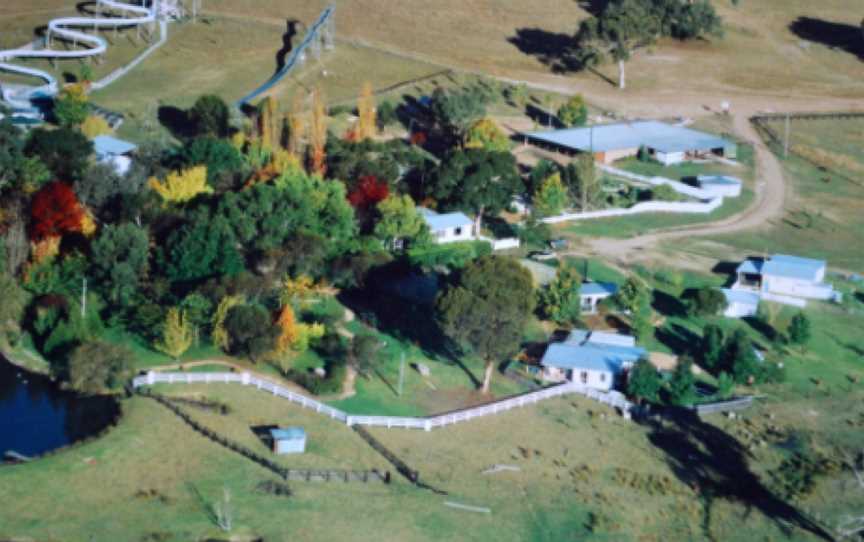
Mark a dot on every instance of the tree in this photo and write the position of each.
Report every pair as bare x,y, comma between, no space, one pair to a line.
267,116
682,385
574,112
177,334
204,248
219,333
71,106
664,192
217,155
551,197
485,134
14,302
799,330
478,182
209,115
456,110
560,300
365,353
119,261
486,309
64,151
296,127
99,185
641,319
97,365
712,347
182,186
11,154
643,382
366,123
707,301
250,331
582,179
95,125
725,385
368,192
631,293
55,211
399,219
288,332
318,134
740,358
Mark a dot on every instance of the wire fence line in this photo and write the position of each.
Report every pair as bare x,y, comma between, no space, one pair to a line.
613,399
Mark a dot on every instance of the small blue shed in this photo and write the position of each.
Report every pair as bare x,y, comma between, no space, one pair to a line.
289,440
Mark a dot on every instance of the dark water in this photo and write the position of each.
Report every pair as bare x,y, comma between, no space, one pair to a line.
37,417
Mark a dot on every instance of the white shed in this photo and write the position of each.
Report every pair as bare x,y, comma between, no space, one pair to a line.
740,303
290,440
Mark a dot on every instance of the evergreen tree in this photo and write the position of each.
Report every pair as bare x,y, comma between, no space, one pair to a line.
209,115
551,197
712,347
643,382
799,330
574,112
682,385
560,300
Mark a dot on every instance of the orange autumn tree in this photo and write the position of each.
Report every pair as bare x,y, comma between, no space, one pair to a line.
318,134
366,122
55,211
288,331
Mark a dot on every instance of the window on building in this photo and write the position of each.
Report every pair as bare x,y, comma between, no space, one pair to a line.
583,377
602,377
457,231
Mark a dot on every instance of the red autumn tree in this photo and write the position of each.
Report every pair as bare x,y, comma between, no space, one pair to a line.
367,192
55,211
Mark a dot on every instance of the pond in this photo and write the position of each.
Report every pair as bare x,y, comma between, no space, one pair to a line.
36,416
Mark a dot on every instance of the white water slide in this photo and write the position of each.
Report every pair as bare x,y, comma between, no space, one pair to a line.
71,30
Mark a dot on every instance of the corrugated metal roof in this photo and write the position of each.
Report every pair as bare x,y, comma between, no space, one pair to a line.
593,357
288,433
783,265
750,266
631,135
107,145
599,338
723,180
439,222
741,297
598,288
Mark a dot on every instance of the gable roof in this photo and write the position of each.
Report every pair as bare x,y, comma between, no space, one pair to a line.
588,336
107,145
750,266
741,297
598,288
288,433
631,135
605,358
783,265
439,222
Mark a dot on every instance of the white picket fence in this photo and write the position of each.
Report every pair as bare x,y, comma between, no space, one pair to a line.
643,207
501,244
613,399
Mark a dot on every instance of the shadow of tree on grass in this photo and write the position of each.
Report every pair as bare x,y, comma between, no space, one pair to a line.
842,36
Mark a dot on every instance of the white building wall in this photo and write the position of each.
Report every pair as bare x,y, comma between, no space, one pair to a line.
669,158
599,380
796,287
452,235
740,310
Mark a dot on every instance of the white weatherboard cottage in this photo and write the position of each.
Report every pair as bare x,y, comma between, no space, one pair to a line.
591,293
785,279
448,227
593,359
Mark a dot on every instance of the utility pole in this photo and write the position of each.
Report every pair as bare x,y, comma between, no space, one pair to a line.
83,296
401,374
786,139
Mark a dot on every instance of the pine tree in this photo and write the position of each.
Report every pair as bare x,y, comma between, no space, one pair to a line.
799,330
318,134
366,113
182,186
177,334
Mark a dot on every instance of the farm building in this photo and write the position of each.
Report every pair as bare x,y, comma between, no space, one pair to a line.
740,303
290,440
448,227
594,359
784,279
114,152
720,185
668,144
592,293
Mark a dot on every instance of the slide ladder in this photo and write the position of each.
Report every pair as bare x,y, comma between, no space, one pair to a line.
71,29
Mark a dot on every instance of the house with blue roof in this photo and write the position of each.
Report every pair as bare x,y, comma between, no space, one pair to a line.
785,279
448,227
115,152
593,359
591,293
667,143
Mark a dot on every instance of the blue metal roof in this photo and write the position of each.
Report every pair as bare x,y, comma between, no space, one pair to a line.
741,297
598,288
750,266
590,356
631,135
111,146
444,221
783,265
288,433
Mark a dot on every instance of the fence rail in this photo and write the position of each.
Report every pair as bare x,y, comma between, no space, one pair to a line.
613,399
724,406
644,207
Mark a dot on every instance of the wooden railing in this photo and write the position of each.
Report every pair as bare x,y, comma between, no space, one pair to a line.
612,398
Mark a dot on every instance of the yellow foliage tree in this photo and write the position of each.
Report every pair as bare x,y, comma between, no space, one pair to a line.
94,125
267,122
296,126
318,134
297,291
238,140
219,335
45,249
88,224
176,334
485,134
182,186
306,333
366,122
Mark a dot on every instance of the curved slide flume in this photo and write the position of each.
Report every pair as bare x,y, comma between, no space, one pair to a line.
63,28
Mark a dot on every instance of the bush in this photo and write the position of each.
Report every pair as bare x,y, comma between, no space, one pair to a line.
706,302
332,383
449,255
386,115
669,277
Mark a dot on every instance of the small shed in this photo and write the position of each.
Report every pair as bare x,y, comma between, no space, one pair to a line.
740,303
114,152
592,293
720,185
288,440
